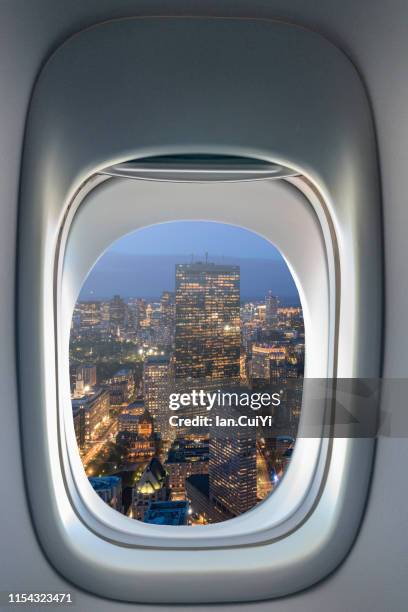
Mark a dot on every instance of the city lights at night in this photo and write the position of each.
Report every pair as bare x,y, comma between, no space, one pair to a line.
216,327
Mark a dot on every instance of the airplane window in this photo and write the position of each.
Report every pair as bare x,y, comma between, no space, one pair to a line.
161,373
186,369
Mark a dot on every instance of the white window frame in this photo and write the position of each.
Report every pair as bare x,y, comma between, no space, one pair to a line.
278,211
328,141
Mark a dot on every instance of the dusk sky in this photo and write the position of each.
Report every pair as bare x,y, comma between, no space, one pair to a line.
142,264
196,237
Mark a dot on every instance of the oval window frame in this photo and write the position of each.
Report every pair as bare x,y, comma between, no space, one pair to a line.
298,490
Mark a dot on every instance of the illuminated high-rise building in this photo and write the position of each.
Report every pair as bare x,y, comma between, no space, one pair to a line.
157,375
90,314
85,379
167,308
105,312
271,309
136,312
117,313
207,338
91,416
186,457
88,374
232,469
122,386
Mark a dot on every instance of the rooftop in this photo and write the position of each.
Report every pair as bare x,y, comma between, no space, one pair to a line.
183,452
167,513
152,478
136,404
87,398
202,266
141,417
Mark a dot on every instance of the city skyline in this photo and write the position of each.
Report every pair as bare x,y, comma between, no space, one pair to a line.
129,357
141,264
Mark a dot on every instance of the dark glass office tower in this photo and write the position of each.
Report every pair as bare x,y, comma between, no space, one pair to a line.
207,338
232,470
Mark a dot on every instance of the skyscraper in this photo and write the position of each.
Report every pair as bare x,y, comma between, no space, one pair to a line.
167,309
207,338
271,309
117,313
136,312
88,374
157,384
167,313
232,468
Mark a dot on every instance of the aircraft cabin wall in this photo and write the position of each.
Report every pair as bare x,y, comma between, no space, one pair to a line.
373,34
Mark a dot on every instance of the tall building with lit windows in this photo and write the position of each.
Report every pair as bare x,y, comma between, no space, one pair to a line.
157,374
207,335
91,416
271,309
268,362
232,469
87,374
167,309
117,313
90,314
167,313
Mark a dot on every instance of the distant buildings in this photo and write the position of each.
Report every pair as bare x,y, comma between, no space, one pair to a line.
137,312
167,318
90,314
271,309
109,488
167,308
117,313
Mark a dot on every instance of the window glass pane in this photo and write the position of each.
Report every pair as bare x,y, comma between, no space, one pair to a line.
186,370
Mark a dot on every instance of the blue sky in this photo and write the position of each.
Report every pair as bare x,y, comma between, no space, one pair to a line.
142,264
196,237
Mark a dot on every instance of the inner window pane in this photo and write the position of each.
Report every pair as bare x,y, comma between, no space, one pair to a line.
186,369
